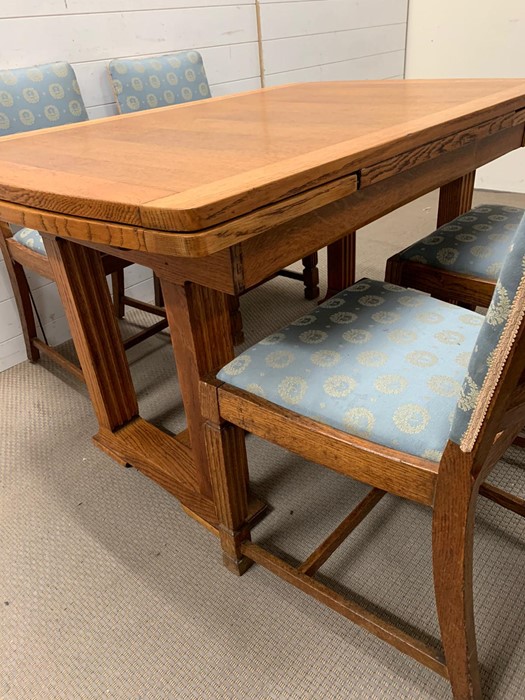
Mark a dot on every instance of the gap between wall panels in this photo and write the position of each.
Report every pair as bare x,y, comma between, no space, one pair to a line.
259,42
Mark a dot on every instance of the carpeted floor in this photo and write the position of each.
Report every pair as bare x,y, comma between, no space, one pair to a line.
108,590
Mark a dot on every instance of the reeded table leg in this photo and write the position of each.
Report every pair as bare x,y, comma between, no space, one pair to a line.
199,322
200,328
455,198
341,264
81,282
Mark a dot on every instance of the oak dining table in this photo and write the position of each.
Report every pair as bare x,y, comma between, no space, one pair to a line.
218,195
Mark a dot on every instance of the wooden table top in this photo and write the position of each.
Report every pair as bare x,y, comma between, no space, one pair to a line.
190,167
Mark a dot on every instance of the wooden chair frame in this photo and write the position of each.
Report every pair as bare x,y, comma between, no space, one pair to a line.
17,257
463,289
449,487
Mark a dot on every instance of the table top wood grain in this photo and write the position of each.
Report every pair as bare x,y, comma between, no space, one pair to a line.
192,167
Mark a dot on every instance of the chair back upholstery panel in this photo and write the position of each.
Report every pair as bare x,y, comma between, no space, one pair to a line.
494,345
34,98
39,97
159,81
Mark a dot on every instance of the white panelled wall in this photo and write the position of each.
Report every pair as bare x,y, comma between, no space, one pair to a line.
301,40
471,39
306,40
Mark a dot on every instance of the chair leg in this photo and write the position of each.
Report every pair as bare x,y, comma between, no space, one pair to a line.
311,276
236,320
22,297
159,299
117,285
394,271
229,476
452,547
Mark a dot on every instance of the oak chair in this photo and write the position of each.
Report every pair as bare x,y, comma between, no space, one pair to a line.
409,394
36,98
160,81
461,260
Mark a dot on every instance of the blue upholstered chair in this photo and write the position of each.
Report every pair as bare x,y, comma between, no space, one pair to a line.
394,388
160,81
460,261
33,98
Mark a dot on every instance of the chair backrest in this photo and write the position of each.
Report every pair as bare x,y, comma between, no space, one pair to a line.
145,83
498,344
39,97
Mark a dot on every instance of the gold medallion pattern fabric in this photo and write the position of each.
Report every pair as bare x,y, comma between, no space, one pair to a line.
159,81
39,97
33,98
494,342
474,243
378,361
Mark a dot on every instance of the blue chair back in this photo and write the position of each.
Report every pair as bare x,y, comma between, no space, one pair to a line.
493,346
146,83
39,97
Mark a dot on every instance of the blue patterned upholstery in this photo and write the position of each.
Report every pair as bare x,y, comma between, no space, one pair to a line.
39,97
377,360
35,98
474,243
493,344
146,83
31,239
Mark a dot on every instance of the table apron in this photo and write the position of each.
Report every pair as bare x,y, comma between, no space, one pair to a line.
269,252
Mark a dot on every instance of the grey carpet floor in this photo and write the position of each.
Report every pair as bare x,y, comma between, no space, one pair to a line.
108,590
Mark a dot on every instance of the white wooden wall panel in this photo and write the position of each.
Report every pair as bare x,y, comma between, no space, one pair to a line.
88,37
9,316
236,86
301,40
308,17
5,286
30,8
12,351
385,65
88,6
332,39
40,8
322,49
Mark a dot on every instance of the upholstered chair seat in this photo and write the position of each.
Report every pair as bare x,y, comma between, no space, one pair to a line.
474,243
358,363
459,262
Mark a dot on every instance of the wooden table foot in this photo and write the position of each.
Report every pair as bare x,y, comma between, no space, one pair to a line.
257,509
